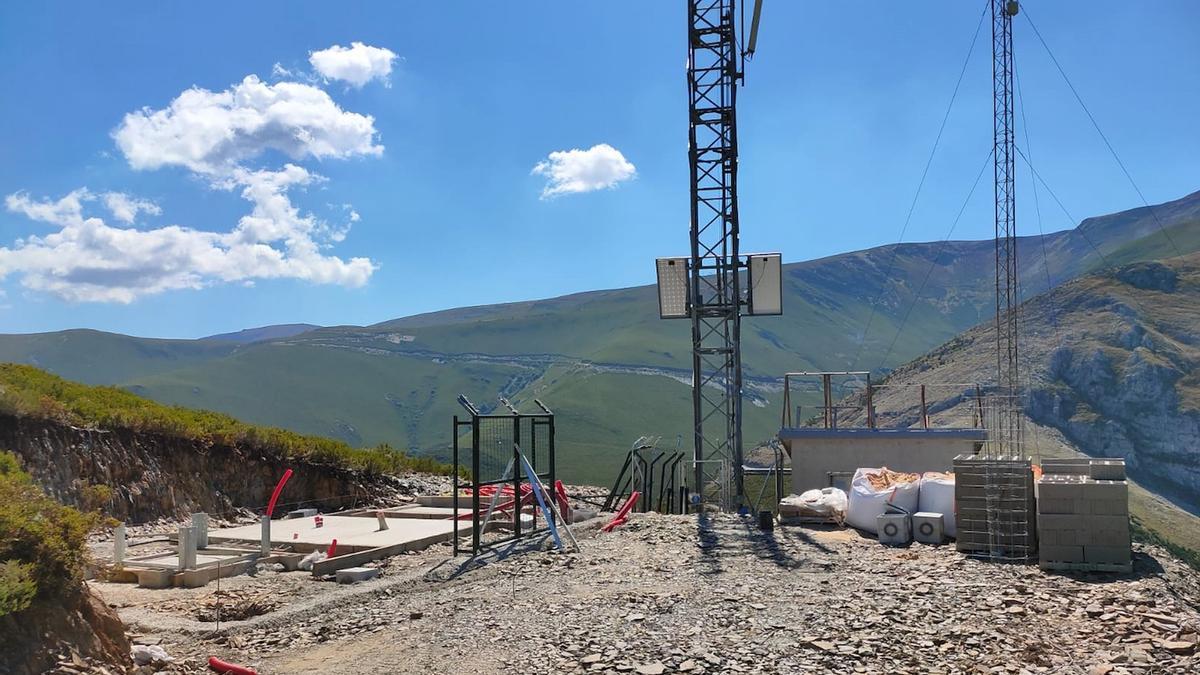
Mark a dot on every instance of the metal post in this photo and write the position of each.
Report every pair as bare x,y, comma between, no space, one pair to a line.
475,538
516,443
454,486
826,387
550,451
870,404
779,472
924,410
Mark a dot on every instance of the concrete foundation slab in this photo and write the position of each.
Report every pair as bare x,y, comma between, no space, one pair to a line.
352,533
419,511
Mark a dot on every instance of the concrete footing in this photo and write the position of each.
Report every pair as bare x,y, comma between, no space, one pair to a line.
352,575
119,545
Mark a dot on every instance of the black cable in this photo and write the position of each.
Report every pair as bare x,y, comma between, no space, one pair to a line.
1023,316
1076,223
912,207
1096,125
1037,207
933,261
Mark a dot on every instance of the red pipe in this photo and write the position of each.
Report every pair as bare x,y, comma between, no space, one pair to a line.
275,495
225,667
563,504
621,515
332,549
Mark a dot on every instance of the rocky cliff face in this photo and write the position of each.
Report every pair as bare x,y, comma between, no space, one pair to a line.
1111,364
150,476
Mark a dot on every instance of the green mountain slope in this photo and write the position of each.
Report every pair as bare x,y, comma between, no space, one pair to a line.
603,360
95,357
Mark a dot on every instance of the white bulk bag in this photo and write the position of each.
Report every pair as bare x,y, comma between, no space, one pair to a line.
867,503
937,496
828,502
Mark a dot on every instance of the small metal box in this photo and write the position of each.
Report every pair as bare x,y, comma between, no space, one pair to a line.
928,528
895,529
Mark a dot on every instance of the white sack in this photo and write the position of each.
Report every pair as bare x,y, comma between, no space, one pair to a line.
828,502
307,562
937,496
144,655
867,503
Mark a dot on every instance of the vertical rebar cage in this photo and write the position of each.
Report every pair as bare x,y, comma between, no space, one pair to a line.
491,448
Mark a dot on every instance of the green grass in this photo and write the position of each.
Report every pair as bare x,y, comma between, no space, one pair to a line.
28,391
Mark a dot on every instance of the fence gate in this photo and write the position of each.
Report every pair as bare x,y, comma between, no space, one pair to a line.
489,448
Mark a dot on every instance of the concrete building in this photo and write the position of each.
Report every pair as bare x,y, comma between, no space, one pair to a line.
844,435
824,457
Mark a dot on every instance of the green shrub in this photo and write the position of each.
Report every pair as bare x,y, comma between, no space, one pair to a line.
17,587
42,542
31,392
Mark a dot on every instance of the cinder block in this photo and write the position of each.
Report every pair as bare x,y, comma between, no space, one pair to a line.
1061,553
352,575
1108,469
1071,466
1060,487
1108,507
1104,489
1106,554
1109,538
1051,537
1063,521
1094,523
1059,506
928,528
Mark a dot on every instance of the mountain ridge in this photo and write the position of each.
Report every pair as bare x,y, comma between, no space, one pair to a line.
602,359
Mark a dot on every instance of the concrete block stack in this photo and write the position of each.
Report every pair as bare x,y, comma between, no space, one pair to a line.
1083,515
994,500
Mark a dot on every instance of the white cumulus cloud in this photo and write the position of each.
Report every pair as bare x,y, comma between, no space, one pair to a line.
90,261
218,136
356,65
569,171
65,211
126,208
212,133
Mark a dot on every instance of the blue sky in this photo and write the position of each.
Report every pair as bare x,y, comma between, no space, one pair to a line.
840,110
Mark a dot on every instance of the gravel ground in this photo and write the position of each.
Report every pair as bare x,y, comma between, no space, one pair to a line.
697,595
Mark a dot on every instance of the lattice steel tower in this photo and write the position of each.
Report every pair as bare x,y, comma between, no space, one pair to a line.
716,284
714,278
1007,423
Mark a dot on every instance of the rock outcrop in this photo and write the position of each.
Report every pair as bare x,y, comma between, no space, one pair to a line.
150,475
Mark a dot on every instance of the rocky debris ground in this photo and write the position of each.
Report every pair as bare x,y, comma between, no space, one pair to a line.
666,594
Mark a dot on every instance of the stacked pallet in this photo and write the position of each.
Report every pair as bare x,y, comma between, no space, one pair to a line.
1083,515
996,512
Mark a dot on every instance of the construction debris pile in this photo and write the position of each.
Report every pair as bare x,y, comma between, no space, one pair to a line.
712,593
